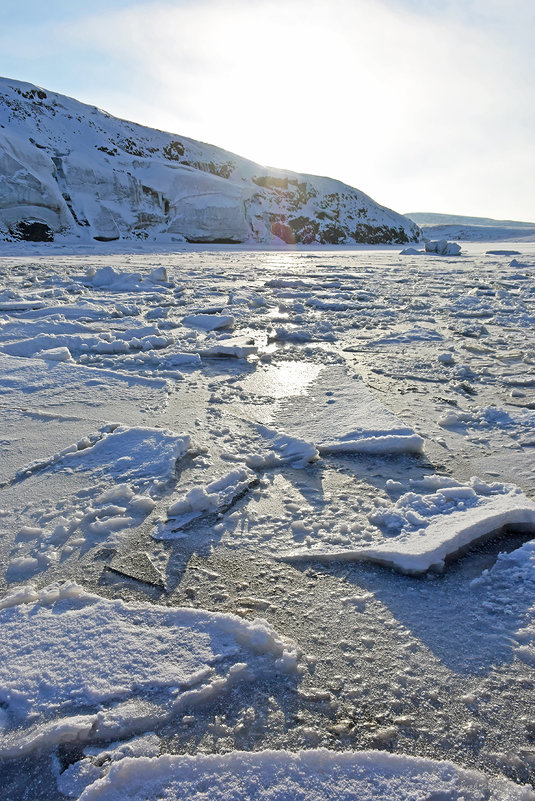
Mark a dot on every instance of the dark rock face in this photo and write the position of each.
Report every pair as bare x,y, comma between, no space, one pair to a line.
33,231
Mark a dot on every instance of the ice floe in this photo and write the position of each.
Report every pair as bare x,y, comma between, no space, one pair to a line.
423,530
101,669
143,457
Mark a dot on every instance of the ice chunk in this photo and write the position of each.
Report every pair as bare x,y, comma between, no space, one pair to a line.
209,322
315,775
215,497
339,413
284,450
102,669
442,247
430,528
239,347
56,355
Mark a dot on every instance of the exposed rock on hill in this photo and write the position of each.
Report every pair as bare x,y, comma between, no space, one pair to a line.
71,170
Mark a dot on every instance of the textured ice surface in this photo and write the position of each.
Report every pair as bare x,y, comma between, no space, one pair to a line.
77,666
316,775
442,350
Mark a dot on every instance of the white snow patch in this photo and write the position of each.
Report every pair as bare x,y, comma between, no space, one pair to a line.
104,668
315,775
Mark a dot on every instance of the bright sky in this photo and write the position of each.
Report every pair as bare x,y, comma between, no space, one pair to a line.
426,105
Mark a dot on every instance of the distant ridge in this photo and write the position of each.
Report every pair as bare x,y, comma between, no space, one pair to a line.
71,171
431,218
472,229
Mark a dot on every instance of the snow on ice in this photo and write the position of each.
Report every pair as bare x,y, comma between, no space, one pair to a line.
102,669
190,439
316,775
424,530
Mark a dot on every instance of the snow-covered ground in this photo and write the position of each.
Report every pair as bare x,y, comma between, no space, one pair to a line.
267,501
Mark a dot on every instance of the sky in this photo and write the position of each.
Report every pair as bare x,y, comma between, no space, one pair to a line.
426,105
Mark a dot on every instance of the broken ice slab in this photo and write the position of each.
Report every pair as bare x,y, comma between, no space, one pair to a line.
214,498
138,565
337,412
104,669
317,774
239,347
437,527
208,322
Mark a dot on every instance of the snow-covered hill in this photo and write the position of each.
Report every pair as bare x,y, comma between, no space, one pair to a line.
474,229
71,170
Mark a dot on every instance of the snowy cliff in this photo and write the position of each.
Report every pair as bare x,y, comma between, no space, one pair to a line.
71,170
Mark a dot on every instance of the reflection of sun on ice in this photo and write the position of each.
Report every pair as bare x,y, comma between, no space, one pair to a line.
283,380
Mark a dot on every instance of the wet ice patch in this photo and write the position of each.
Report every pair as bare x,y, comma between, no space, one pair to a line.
282,380
317,775
102,669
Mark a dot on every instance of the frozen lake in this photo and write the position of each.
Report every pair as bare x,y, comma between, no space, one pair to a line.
262,500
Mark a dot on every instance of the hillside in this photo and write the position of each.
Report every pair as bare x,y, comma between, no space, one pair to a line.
70,170
475,229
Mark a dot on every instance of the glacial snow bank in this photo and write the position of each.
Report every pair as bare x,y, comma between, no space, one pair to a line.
101,669
316,775
422,531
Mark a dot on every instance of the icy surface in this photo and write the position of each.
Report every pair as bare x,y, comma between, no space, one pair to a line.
282,776
89,655
338,412
209,413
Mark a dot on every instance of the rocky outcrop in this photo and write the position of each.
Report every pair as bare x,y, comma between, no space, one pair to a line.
73,171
